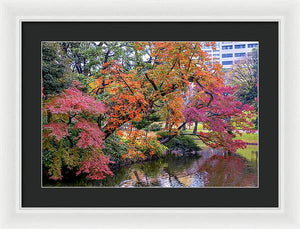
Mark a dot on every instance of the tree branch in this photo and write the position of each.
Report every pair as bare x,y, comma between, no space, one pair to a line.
206,92
168,138
151,81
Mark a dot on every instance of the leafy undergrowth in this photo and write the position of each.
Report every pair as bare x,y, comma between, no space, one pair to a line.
182,142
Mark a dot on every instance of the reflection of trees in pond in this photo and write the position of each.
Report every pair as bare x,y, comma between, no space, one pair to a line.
170,165
179,164
173,179
151,169
147,173
228,171
164,168
79,181
179,172
119,176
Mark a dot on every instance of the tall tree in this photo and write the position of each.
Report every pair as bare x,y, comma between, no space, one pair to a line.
54,68
159,88
244,75
72,137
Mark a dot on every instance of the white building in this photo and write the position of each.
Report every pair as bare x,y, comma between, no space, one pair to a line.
229,53
232,52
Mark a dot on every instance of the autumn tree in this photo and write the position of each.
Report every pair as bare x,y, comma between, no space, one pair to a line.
223,117
72,137
244,74
54,69
159,87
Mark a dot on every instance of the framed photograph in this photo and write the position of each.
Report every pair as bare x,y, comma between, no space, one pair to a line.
168,115
152,116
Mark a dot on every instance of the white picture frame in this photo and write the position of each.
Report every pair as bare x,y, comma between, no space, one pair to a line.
12,13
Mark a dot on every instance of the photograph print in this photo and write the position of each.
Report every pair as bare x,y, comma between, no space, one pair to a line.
150,114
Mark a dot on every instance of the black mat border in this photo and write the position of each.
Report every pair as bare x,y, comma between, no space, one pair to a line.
264,196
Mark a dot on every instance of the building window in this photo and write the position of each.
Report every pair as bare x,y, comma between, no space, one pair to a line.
240,46
227,55
216,54
226,62
227,47
252,45
240,54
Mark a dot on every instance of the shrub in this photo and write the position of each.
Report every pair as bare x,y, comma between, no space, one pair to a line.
141,146
162,134
115,148
185,143
158,148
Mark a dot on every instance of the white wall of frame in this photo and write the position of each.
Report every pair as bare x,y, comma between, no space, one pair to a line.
284,11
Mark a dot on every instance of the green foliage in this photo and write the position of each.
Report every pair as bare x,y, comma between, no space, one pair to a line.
150,147
158,148
57,155
47,158
49,149
115,148
245,75
55,167
88,57
162,134
53,69
71,157
185,143
248,94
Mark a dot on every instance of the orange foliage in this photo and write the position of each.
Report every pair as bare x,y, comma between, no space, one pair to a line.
139,144
133,94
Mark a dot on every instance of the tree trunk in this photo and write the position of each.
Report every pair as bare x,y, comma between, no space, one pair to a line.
99,121
168,138
166,125
195,127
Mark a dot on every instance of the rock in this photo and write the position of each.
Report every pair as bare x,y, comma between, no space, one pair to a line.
177,153
193,152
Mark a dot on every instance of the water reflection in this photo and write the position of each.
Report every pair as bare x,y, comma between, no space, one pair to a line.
211,169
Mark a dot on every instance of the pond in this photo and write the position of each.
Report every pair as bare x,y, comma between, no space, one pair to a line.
210,168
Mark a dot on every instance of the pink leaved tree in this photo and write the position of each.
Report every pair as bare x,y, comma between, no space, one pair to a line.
222,116
72,135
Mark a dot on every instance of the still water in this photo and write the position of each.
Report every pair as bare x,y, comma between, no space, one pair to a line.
210,169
